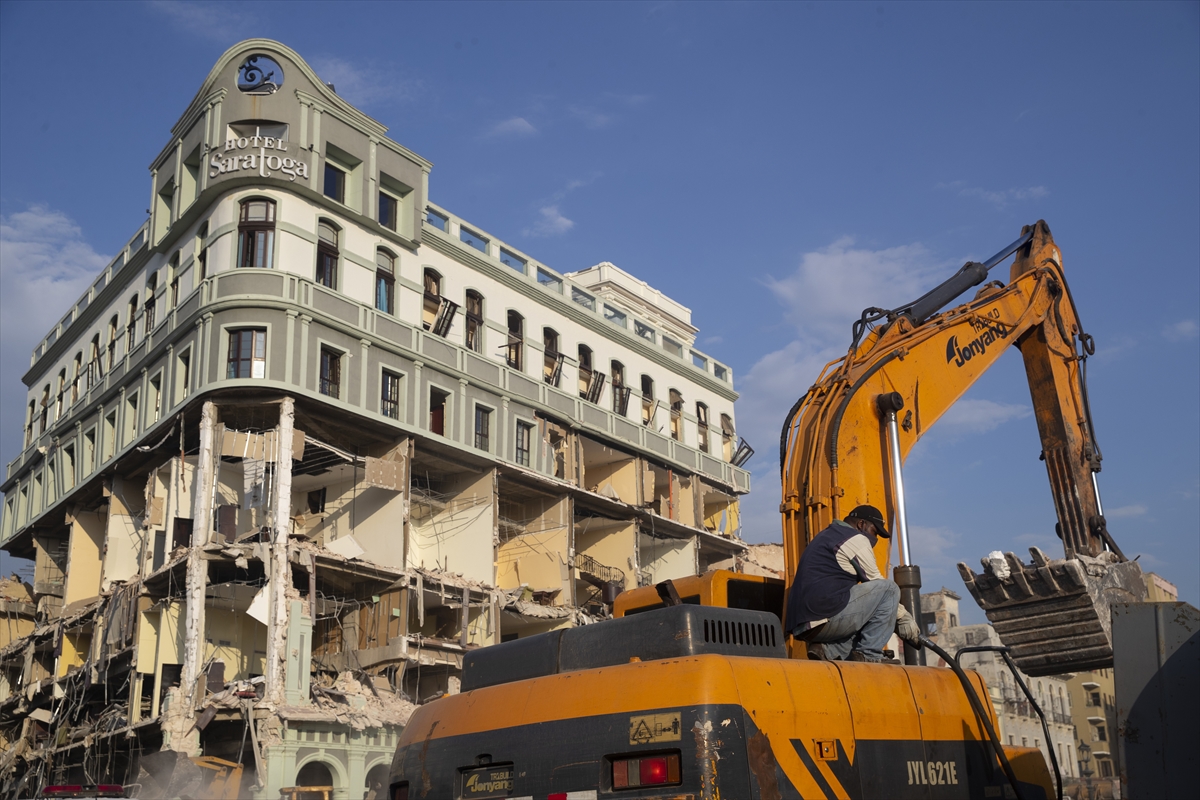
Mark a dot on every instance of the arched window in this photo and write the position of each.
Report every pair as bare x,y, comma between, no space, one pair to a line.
256,233
61,397
131,324
591,380
327,254
94,366
676,415
514,354
30,418
552,359
149,306
113,337
727,437
45,417
620,392
432,299
76,369
202,253
474,321
385,281
648,404
702,426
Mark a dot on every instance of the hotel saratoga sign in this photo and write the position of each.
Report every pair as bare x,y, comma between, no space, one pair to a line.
263,157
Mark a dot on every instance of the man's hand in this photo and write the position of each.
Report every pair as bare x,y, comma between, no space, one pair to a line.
907,628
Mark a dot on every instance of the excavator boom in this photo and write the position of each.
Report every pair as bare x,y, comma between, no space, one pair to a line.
837,450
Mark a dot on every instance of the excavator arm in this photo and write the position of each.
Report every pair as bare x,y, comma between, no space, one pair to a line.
837,449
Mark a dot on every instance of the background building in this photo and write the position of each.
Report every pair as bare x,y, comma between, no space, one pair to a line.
310,437
1019,724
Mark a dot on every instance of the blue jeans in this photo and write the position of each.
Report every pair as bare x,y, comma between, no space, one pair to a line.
865,624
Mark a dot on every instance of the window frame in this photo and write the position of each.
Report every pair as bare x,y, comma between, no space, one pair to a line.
473,336
483,433
250,255
523,456
388,378
233,363
341,178
514,350
329,371
385,281
328,255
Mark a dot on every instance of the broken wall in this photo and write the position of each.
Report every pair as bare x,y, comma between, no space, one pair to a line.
84,557
536,557
124,537
612,543
456,532
667,558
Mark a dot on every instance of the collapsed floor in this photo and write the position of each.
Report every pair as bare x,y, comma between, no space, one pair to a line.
299,650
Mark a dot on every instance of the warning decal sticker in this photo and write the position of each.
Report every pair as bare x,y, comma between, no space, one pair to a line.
650,728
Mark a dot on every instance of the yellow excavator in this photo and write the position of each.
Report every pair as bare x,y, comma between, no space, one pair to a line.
694,691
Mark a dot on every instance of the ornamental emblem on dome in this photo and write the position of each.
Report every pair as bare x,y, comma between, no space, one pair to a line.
260,74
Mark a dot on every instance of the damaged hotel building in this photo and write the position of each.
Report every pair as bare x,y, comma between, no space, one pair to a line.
310,437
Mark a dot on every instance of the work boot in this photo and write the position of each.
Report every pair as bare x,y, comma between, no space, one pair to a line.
857,655
816,652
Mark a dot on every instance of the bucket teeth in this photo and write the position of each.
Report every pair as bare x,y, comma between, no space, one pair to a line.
1054,615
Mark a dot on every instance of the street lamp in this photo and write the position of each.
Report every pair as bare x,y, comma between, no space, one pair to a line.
1085,770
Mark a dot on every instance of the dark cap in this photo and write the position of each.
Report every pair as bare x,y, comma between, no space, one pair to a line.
870,514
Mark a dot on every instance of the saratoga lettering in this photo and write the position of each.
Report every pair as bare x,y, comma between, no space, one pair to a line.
230,160
977,346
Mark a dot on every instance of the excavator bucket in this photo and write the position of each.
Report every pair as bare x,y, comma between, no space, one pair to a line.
1055,616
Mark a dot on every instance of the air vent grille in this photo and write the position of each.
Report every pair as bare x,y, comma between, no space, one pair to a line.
737,632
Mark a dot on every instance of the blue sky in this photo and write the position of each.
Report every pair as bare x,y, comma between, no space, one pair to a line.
775,167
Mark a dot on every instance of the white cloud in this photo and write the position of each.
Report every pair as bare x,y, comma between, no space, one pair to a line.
513,126
980,416
1126,511
820,300
590,117
366,85
998,198
549,223
1182,330
197,19
44,264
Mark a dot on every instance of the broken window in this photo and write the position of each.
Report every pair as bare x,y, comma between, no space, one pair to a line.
327,254
648,403
256,234
331,372
524,437
702,426
514,354
727,437
389,396
552,359
437,411
316,501
247,353
591,381
432,298
676,415
483,428
643,330
474,321
620,392
385,282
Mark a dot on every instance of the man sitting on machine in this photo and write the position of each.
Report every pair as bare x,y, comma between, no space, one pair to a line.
839,604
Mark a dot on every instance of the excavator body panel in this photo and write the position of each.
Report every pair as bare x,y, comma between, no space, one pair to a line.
709,726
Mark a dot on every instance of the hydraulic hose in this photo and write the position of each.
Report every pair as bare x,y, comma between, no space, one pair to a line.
973,698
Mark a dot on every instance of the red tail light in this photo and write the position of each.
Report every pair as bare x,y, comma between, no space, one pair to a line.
630,773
